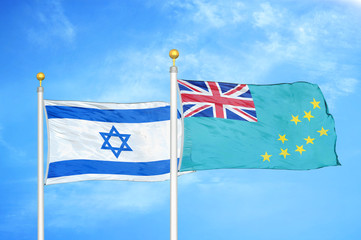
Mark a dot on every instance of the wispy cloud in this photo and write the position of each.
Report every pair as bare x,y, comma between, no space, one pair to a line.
142,77
10,148
246,197
312,42
122,75
352,2
213,14
52,23
315,42
267,16
339,88
85,204
17,215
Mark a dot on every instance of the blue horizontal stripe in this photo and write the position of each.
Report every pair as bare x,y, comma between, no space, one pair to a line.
110,115
82,166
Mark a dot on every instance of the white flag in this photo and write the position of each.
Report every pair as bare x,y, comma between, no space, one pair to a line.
108,141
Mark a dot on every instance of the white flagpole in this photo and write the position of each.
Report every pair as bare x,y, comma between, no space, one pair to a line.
173,148
40,76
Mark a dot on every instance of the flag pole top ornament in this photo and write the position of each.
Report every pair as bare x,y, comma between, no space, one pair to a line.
40,76
173,54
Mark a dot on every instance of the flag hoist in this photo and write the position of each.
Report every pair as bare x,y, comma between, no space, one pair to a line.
40,76
173,152
173,148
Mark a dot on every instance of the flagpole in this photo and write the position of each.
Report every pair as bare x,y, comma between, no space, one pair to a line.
173,148
40,76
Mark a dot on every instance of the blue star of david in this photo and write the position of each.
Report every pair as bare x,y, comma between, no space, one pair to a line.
114,133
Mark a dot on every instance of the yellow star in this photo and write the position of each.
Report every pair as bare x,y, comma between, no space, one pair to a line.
300,149
282,138
323,132
266,157
309,140
295,119
315,104
308,115
284,153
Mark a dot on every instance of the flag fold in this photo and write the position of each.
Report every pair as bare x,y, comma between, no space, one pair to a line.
107,141
281,126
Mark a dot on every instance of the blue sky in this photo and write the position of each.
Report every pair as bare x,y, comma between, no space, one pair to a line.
117,51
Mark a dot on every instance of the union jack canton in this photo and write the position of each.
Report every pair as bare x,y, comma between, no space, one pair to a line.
217,100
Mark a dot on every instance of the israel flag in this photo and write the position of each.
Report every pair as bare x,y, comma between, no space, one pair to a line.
107,141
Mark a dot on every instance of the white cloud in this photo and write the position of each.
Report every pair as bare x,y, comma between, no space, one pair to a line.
246,198
208,65
218,15
188,179
53,24
338,88
86,204
268,16
139,77
307,41
352,2
348,85
13,223
13,151
283,37
215,14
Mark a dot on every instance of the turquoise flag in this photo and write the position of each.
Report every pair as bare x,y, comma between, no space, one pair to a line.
281,126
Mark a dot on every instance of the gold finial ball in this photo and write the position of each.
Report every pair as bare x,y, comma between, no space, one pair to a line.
40,76
173,53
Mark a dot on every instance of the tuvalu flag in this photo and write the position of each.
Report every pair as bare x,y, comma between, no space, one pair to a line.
281,126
